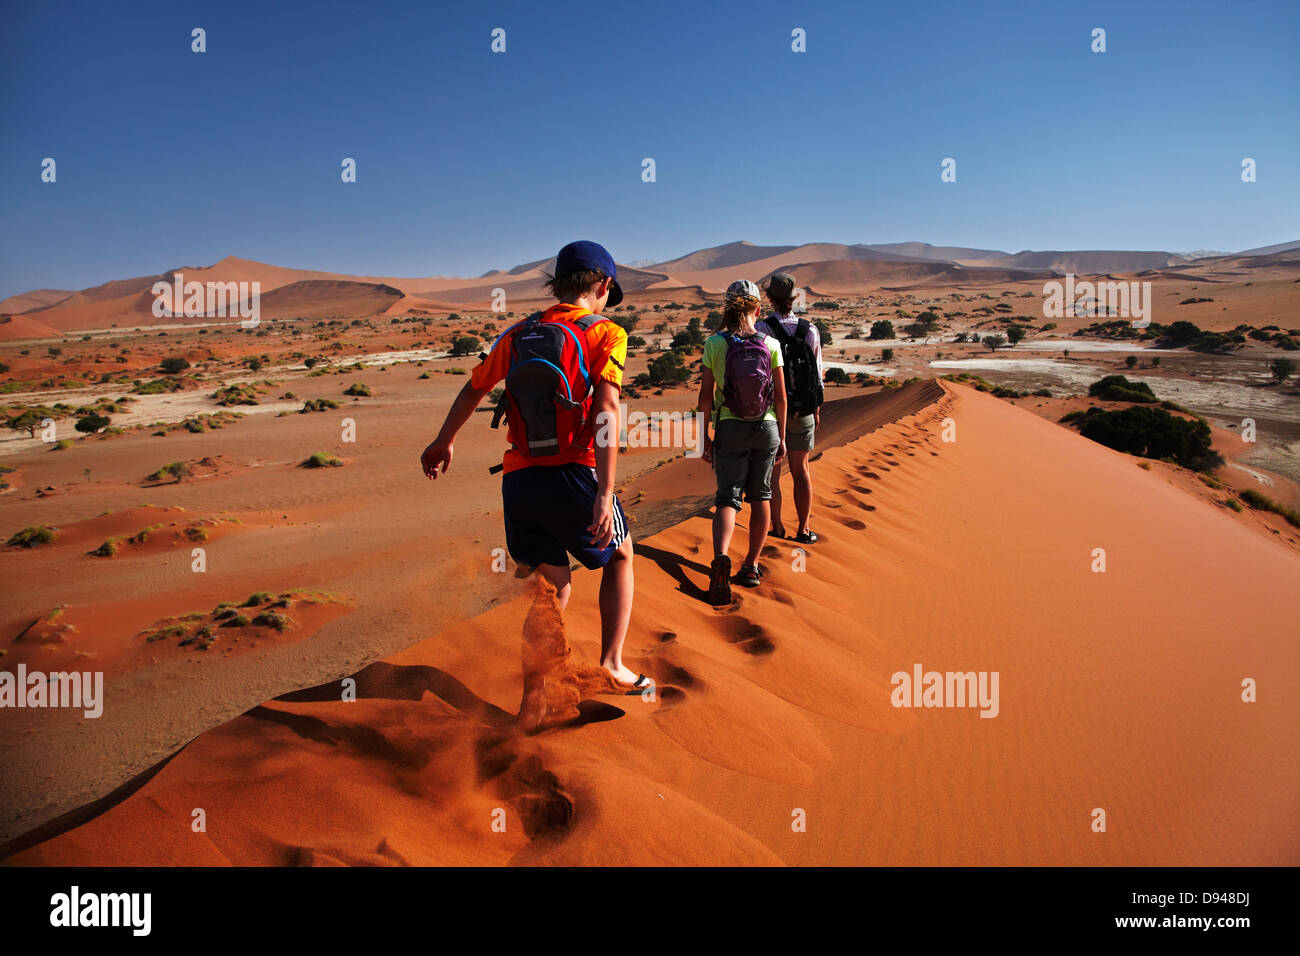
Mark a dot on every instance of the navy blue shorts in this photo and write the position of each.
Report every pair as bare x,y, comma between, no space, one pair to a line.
548,510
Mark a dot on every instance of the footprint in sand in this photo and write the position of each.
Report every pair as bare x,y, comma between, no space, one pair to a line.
784,597
749,637
853,523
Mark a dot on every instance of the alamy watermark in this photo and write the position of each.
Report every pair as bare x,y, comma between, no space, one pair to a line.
655,429
946,689
1087,298
58,689
195,300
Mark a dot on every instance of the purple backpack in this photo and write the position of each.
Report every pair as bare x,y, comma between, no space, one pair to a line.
747,380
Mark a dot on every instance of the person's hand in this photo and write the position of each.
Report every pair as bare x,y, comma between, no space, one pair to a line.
707,454
436,454
817,416
602,520
780,451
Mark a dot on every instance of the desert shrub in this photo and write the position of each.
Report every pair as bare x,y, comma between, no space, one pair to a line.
464,345
257,598
635,342
886,355
321,460
317,405
236,395
995,342
836,376
32,535
882,329
1116,388
174,364
92,423
358,389
1282,369
1154,433
689,338
176,469
1264,503
667,369
270,619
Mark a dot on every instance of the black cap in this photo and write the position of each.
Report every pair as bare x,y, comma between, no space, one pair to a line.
780,285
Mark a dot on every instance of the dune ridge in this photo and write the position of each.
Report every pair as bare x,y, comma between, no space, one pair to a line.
1120,691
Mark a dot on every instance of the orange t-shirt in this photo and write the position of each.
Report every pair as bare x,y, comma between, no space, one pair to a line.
606,350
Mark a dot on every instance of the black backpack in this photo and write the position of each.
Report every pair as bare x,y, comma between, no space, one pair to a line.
803,386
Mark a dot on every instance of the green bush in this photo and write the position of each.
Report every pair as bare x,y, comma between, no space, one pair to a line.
176,469
174,364
92,423
836,376
1154,433
1116,388
321,460
358,389
464,345
1264,503
882,329
32,535
667,369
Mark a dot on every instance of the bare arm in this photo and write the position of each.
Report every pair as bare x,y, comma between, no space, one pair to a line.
778,385
439,450
604,406
705,405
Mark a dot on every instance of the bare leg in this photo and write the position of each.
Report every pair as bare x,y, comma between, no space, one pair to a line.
778,527
558,576
616,611
759,515
724,525
802,475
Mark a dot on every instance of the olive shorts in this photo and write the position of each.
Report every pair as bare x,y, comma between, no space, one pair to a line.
743,453
799,432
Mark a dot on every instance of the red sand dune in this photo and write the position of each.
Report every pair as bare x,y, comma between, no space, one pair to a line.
25,327
1118,690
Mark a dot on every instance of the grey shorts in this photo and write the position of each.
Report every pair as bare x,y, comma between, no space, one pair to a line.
799,432
743,453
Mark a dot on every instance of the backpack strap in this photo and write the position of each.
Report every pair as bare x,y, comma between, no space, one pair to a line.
778,331
801,330
535,315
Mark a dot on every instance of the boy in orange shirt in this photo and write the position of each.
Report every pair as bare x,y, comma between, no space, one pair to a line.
558,487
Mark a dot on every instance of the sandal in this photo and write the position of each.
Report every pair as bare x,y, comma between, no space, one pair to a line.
806,537
749,577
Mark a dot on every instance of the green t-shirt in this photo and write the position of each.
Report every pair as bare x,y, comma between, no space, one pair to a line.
715,360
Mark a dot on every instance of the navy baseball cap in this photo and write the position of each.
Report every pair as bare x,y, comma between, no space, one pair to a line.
585,254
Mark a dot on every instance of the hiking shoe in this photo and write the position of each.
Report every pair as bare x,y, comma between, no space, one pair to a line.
749,576
720,581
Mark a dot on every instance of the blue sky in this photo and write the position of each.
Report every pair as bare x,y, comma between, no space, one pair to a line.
469,160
